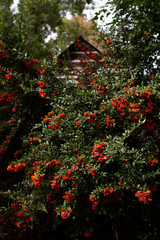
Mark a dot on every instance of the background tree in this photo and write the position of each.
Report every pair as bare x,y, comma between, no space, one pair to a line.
34,21
70,30
37,19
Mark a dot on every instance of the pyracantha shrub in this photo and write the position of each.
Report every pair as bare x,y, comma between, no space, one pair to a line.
80,156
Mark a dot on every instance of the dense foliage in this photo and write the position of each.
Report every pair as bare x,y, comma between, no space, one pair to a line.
80,158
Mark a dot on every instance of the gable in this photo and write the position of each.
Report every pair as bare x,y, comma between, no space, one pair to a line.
78,51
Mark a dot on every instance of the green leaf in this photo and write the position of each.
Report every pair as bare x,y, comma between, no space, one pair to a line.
41,207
